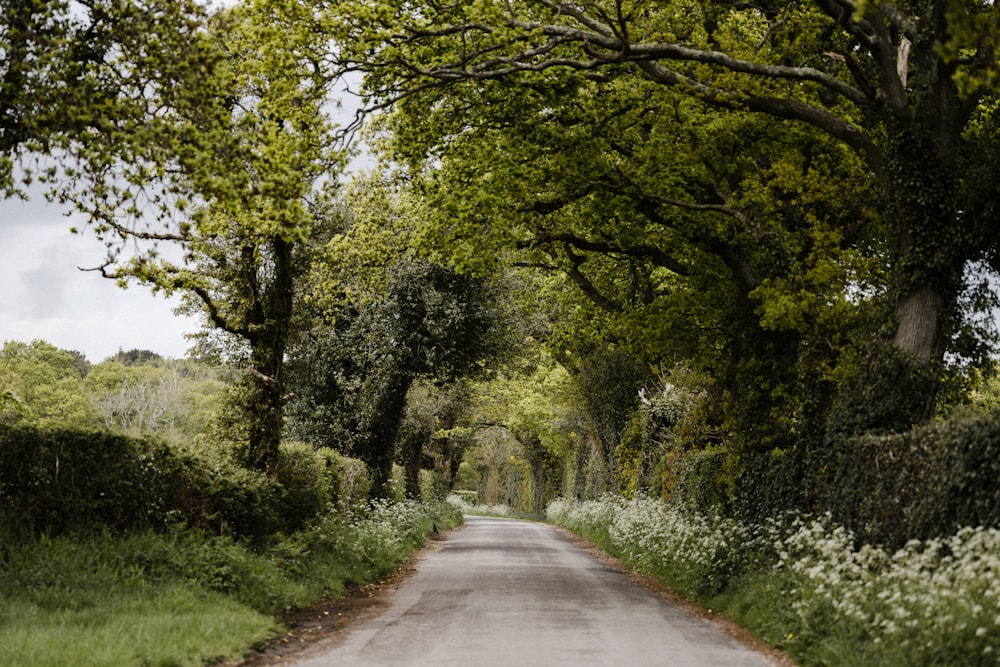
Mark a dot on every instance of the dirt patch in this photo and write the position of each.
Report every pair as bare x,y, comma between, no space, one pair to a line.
774,656
309,630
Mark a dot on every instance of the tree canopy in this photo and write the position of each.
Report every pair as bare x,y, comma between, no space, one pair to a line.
379,319
208,187
791,206
77,77
790,177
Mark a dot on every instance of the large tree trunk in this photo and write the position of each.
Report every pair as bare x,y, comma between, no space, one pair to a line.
265,410
411,450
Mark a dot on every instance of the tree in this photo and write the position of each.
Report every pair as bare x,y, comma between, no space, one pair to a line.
899,95
219,167
434,434
529,432
356,371
45,386
73,71
147,394
382,318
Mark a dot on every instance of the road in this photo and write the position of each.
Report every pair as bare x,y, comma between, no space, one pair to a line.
503,592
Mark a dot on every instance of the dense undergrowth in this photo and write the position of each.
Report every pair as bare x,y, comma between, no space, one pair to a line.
806,586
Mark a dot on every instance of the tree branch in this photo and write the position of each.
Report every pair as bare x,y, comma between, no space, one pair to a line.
603,46
654,254
588,287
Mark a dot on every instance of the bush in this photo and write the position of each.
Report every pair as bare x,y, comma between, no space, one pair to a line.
208,490
308,483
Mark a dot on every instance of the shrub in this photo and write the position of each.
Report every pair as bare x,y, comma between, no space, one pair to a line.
697,554
308,483
208,490
921,484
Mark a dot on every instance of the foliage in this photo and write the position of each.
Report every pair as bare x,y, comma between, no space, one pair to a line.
930,602
55,481
430,442
206,193
372,335
355,374
174,399
67,481
75,71
525,428
760,190
921,484
608,382
693,553
45,384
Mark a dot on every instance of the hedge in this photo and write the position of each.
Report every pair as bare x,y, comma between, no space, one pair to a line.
56,481
887,489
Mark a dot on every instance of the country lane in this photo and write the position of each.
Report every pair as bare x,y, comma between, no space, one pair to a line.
504,592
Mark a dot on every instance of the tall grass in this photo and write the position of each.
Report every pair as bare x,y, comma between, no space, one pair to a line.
805,586
184,597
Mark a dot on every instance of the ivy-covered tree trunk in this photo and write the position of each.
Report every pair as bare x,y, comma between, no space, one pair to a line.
932,239
268,329
412,438
380,428
264,410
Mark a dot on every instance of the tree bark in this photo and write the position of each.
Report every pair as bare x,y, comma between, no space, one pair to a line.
917,317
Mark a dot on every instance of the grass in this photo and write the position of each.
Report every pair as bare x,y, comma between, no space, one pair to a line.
187,598
168,625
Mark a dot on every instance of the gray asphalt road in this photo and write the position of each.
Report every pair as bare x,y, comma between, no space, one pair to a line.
503,592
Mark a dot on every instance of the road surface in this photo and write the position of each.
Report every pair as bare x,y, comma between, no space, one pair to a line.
503,592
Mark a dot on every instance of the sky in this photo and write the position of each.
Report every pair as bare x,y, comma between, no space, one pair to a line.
45,295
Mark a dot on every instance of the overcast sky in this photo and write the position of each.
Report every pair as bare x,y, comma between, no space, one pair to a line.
45,296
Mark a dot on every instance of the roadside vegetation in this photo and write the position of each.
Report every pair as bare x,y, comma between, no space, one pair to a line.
187,597
132,533
808,587
180,560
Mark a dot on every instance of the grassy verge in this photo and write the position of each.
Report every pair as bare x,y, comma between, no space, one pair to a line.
805,587
187,598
